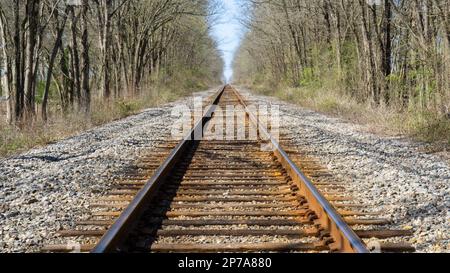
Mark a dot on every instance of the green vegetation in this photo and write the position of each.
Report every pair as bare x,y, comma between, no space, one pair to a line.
323,97
385,64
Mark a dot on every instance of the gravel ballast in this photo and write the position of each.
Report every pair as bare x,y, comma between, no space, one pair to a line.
47,189
391,174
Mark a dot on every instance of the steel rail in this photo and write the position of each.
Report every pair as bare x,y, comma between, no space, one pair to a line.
345,239
112,239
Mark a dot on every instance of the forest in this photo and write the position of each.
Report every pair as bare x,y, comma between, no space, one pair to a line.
78,62
68,65
59,56
383,60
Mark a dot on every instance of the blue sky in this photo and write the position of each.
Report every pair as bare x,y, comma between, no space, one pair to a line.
228,33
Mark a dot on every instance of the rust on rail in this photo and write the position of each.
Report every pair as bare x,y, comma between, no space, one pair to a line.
127,220
188,195
345,239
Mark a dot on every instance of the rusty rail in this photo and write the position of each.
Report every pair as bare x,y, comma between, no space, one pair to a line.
344,238
111,240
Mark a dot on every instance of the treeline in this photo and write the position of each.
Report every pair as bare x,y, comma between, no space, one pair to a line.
78,50
382,52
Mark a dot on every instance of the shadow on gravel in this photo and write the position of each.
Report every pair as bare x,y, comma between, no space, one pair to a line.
145,234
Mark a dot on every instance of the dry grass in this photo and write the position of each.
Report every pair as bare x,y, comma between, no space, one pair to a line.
14,140
420,125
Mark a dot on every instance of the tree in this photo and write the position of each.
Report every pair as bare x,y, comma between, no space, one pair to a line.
380,52
63,54
5,67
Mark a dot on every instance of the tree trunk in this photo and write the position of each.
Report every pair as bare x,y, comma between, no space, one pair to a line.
56,47
67,86
75,56
4,76
368,42
387,52
33,43
86,93
19,101
32,15
105,45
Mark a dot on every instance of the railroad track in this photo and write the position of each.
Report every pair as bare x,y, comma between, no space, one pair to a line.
229,196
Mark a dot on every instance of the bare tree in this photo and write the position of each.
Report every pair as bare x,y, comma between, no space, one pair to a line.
5,71
382,52
62,54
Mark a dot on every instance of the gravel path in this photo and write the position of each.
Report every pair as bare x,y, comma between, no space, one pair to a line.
392,174
41,190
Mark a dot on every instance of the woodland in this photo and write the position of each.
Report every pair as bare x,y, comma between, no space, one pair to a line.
383,59
64,56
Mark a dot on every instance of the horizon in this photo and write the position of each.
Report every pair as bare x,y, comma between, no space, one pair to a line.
228,33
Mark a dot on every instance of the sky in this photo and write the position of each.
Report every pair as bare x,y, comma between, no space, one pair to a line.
228,33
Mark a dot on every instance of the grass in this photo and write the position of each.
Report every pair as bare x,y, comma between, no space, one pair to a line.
427,126
14,140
